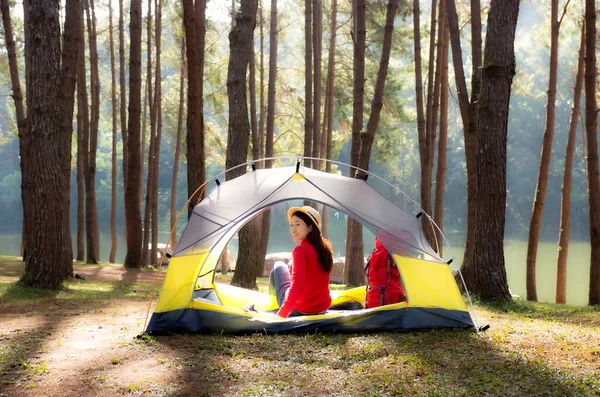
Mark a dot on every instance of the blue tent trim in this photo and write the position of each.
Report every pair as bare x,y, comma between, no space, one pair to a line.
206,321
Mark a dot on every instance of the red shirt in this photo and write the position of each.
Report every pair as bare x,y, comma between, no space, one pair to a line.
309,289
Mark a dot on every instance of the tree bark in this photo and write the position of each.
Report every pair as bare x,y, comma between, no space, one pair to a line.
83,139
238,135
122,106
591,128
353,268
114,105
308,82
261,118
173,211
440,175
265,220
328,114
133,216
147,257
45,146
537,212
158,133
195,27
489,271
418,73
91,210
15,84
565,204
431,132
317,54
469,111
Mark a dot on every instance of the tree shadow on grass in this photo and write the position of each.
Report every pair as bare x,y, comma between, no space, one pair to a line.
414,363
576,315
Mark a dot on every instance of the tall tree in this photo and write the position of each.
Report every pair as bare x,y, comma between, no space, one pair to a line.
542,178
469,112
83,142
427,138
133,216
15,82
261,103
427,151
368,137
308,81
489,272
45,158
158,128
150,178
113,96
91,211
353,269
83,126
591,128
123,103
173,213
317,53
327,146
440,175
270,131
195,31
238,134
565,204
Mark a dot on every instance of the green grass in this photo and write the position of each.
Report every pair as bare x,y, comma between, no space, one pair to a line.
531,349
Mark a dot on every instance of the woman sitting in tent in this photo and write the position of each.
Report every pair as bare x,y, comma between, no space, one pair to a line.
303,287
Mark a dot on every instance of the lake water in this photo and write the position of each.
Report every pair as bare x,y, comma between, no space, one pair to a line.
515,252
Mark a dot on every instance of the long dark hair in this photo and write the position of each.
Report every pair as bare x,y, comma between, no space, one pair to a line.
321,244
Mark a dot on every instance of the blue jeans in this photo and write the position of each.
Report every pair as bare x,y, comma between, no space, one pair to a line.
279,282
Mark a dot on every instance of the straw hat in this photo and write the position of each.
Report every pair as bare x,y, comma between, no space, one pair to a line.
312,213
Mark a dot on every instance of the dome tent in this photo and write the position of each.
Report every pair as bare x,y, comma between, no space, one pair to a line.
191,302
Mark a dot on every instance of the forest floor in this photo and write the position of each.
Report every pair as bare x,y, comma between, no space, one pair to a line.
82,342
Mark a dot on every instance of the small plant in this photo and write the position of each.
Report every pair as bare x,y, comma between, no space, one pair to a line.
115,361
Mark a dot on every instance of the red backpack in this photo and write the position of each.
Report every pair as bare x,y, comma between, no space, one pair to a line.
383,278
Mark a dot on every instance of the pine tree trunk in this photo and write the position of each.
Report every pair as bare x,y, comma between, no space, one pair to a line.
489,270
317,53
80,179
147,229
418,73
133,216
328,117
265,226
469,114
535,222
91,210
113,95
565,204
261,118
591,128
158,137
173,212
83,136
194,23
238,135
308,82
44,148
15,83
265,220
426,141
353,268
122,106
430,132
440,175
